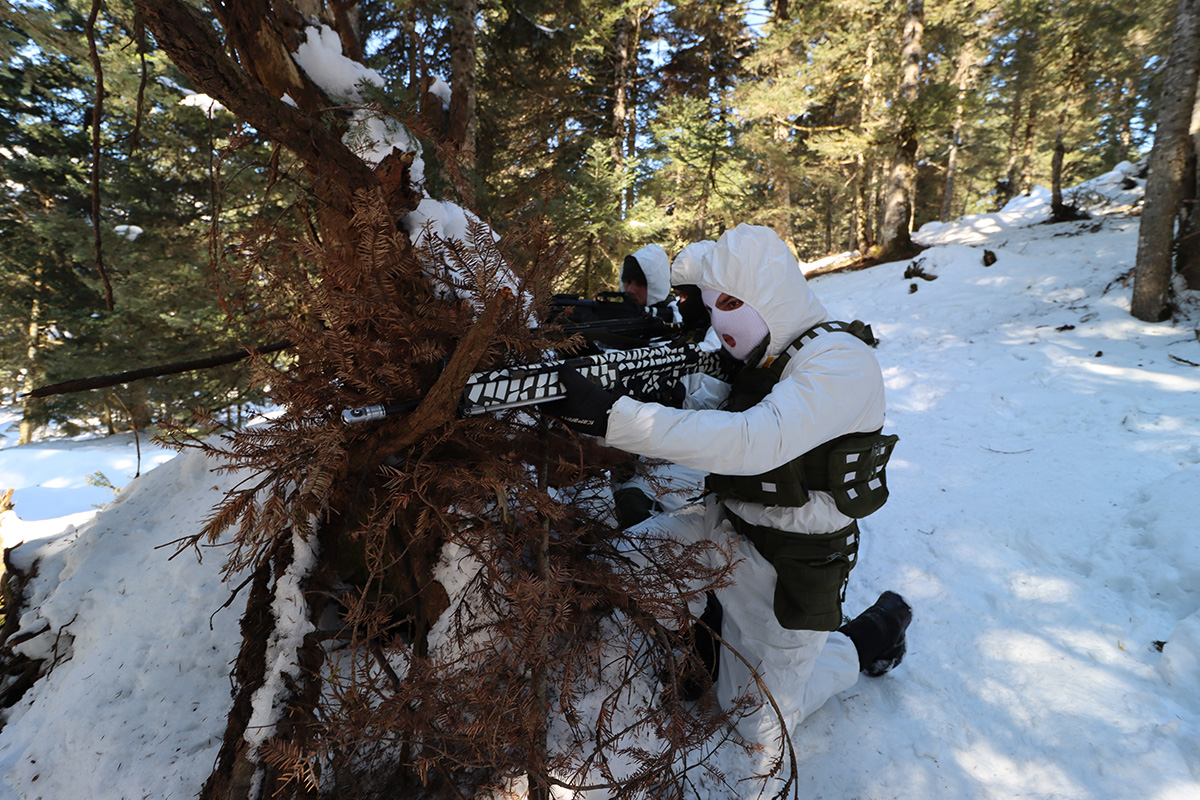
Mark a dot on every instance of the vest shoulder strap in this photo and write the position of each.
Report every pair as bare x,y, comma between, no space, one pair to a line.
857,328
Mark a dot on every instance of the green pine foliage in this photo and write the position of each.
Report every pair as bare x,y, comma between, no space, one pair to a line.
701,176
619,122
179,185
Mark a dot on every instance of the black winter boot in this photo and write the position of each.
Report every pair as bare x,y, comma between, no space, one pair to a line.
707,648
878,634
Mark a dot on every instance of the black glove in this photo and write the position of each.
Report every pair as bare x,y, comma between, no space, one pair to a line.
585,408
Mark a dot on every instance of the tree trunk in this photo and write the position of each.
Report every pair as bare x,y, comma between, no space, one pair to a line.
1006,188
32,407
952,165
863,237
539,786
1187,259
1125,126
1057,210
895,240
1152,275
588,260
895,235
620,103
1021,118
1073,85
140,418
263,38
631,99
963,78
254,93
781,189
97,117
828,220
233,774
263,34
1025,175
710,184
462,80
408,24
858,229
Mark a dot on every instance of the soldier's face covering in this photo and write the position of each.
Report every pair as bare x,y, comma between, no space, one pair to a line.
637,292
741,329
691,308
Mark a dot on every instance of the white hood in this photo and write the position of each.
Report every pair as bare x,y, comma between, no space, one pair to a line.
754,265
689,265
657,267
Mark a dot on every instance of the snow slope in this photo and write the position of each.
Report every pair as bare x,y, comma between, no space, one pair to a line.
136,705
51,477
1042,523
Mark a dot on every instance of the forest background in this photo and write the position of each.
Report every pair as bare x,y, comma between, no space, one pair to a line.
372,200
620,122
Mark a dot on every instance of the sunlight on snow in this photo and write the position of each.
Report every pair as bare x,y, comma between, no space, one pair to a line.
924,583
914,396
1046,588
1108,649
62,483
1009,778
1128,328
1159,380
1053,681
993,280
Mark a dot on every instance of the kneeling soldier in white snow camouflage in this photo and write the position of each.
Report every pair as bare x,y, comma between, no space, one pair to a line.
795,456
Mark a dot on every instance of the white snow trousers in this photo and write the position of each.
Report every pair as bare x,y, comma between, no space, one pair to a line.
800,669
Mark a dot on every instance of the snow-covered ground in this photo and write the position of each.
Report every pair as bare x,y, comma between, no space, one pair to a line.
58,475
1042,523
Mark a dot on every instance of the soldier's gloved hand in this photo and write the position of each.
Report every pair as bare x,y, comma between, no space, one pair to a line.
585,408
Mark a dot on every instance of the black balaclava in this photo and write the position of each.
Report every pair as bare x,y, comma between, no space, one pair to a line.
631,271
691,308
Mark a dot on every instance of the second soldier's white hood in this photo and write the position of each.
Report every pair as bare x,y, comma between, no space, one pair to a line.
754,265
657,266
689,263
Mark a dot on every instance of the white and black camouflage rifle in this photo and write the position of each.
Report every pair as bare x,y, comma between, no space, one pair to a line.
644,373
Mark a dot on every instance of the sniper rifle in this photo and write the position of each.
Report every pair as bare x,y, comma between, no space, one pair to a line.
606,305
624,332
611,320
644,373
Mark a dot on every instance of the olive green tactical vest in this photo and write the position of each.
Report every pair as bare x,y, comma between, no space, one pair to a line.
850,467
812,570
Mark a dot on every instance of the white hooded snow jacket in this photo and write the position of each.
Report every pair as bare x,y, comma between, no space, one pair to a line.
832,387
657,267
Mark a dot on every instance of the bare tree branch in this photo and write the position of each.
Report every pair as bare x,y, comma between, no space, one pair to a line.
104,381
190,41
97,114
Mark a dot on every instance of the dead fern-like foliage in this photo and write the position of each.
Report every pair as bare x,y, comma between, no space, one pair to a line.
491,624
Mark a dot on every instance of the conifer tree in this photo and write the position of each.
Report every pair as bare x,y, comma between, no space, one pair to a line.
550,93
819,73
162,190
478,584
1168,166
900,186
701,176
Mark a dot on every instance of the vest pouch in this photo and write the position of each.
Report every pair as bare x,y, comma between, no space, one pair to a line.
857,479
812,571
